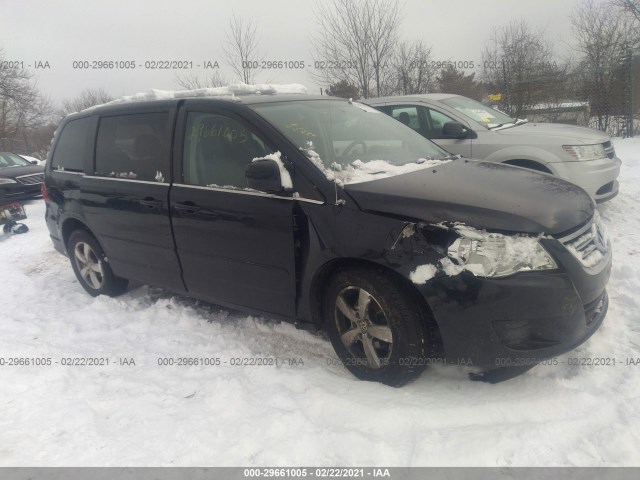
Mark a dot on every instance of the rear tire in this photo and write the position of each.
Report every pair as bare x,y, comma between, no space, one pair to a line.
375,327
91,268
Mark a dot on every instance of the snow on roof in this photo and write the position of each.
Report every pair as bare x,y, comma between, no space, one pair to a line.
232,90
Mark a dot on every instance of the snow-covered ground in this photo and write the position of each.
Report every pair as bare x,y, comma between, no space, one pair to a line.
292,414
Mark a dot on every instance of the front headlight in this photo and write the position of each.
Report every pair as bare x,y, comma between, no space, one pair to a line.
586,152
497,255
6,180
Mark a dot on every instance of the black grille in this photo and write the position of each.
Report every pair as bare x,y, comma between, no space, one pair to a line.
33,179
606,188
588,242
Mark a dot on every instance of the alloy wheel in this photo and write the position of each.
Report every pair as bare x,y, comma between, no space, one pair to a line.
363,326
89,266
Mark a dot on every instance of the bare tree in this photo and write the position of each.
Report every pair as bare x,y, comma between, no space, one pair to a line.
355,42
21,107
411,69
241,50
515,59
195,82
86,98
630,6
602,42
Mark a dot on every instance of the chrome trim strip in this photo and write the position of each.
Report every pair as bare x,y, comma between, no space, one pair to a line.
130,180
250,192
68,173
31,175
576,234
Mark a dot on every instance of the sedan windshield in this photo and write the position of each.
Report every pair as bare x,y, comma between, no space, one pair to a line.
11,160
342,133
478,112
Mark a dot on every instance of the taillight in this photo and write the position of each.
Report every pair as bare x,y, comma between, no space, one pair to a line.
45,194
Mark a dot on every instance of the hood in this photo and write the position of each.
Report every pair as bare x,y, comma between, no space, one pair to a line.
13,172
565,134
479,194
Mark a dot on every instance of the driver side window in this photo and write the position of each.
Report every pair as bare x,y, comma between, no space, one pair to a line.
436,121
217,149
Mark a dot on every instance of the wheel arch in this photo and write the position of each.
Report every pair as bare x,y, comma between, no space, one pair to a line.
319,282
530,164
69,226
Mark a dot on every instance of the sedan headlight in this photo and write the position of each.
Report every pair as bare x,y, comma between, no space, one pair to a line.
586,152
6,180
496,255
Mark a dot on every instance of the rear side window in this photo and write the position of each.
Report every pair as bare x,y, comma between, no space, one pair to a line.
134,147
71,146
407,115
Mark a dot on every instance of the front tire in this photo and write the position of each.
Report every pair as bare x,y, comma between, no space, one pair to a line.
376,328
91,268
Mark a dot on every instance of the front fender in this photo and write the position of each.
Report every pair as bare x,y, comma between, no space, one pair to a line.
523,152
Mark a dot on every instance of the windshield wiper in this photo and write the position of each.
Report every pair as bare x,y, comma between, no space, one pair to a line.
518,121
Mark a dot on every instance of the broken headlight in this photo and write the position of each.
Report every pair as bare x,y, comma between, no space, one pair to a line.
496,255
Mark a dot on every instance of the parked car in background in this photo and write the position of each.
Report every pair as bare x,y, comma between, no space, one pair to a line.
19,178
466,127
329,214
33,160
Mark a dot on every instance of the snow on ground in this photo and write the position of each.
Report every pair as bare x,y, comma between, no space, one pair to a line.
311,414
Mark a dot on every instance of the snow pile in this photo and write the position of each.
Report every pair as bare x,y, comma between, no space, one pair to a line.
559,414
285,178
228,91
423,273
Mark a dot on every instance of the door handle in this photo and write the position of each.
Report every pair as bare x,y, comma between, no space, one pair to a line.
187,207
151,202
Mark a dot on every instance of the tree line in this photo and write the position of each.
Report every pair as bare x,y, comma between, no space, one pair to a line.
360,46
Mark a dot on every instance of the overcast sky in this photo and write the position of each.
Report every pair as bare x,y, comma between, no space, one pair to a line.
63,31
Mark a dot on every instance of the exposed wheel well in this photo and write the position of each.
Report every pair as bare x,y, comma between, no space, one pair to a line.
530,164
320,281
68,228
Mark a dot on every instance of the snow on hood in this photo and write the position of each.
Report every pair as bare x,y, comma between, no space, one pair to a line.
359,171
228,91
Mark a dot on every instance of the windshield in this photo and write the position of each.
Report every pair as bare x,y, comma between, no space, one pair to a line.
342,133
482,114
11,160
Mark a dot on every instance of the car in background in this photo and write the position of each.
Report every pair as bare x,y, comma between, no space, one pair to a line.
33,160
19,178
466,127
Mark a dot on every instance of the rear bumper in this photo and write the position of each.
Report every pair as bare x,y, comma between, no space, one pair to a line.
19,192
597,177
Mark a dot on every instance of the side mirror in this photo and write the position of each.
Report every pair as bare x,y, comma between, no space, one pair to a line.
33,162
454,130
264,175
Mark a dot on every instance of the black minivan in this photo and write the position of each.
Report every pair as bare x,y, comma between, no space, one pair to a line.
332,215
